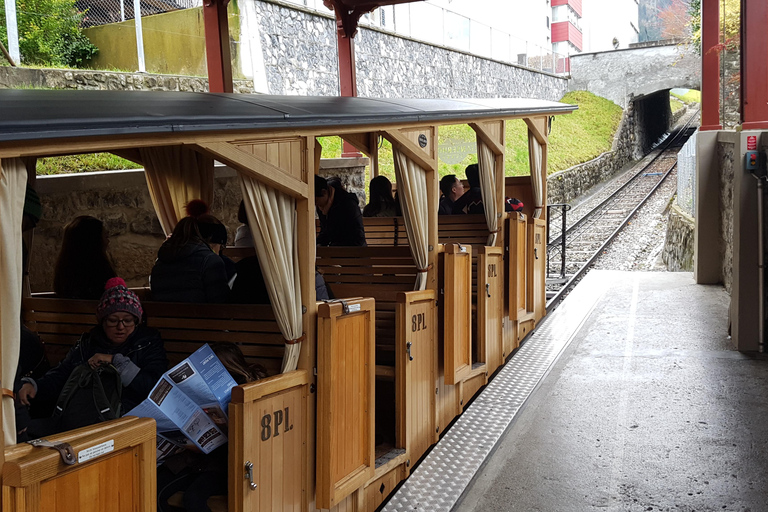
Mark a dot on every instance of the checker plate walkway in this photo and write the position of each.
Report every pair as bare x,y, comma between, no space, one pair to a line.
441,478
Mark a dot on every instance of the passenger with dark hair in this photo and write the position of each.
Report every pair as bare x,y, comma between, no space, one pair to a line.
452,190
83,265
188,266
119,341
472,200
243,237
381,202
341,222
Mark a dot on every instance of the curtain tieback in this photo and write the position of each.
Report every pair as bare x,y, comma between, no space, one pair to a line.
7,392
494,231
297,340
423,270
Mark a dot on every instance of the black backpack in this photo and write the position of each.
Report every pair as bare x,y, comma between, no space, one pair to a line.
89,396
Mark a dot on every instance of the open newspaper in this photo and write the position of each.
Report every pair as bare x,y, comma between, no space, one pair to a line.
190,403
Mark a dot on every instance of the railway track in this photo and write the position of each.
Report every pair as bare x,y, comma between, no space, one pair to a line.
588,235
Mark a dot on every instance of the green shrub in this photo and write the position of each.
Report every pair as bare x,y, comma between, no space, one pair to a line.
49,33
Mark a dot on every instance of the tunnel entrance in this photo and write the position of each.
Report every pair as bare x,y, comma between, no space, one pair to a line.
652,119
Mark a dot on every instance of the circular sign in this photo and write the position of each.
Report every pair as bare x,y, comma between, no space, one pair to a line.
422,140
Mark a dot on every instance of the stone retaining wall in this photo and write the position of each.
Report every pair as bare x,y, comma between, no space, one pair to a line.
725,155
678,246
291,50
105,80
567,185
121,200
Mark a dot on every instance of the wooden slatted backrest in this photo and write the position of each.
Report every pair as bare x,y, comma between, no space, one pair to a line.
183,327
378,272
386,231
462,229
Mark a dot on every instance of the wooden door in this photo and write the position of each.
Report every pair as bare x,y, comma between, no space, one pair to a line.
115,470
518,266
490,305
416,354
346,376
267,449
537,299
457,313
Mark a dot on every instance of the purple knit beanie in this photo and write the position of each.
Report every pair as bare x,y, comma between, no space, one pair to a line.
117,297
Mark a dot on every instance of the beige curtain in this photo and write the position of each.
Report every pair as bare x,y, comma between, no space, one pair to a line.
537,173
175,176
487,162
412,192
272,219
13,182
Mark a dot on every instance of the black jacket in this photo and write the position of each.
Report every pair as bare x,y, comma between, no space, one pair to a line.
343,226
194,273
143,347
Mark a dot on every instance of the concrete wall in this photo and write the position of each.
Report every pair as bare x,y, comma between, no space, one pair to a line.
121,200
725,155
624,74
174,43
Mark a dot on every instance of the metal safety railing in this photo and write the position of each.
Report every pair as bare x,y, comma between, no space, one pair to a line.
564,208
686,177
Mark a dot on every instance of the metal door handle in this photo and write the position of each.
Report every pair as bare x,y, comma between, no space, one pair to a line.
536,253
408,349
249,475
488,289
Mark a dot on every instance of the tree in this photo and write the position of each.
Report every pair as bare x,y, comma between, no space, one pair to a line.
49,33
675,20
730,24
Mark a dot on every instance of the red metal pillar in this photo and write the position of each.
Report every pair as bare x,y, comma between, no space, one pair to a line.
347,79
710,65
217,46
754,64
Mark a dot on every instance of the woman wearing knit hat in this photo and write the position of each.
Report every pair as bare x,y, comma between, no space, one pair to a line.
120,339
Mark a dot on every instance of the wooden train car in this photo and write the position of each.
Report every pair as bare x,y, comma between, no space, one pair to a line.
366,384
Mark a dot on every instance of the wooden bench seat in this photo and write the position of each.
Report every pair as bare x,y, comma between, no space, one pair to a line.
183,327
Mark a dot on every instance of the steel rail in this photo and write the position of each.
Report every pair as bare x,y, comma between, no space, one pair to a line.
556,241
552,304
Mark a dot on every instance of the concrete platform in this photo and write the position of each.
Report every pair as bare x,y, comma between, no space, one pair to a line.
647,408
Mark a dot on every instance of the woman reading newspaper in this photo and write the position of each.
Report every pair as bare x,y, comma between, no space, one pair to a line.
198,475
120,349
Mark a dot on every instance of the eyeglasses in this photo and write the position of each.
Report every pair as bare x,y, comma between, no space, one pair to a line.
127,322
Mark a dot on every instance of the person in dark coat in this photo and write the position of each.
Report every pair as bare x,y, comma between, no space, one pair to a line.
341,222
120,340
188,266
452,190
83,266
472,200
381,202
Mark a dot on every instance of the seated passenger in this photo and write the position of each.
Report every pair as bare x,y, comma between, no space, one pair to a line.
188,266
197,475
243,237
381,202
452,189
83,266
341,223
472,200
119,341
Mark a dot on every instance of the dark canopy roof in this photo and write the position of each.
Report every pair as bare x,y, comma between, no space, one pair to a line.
45,114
